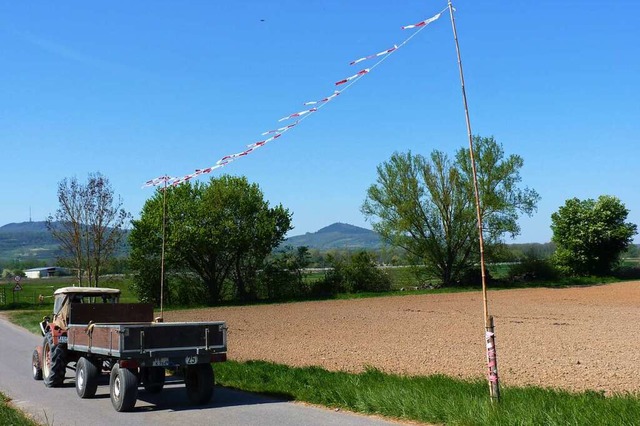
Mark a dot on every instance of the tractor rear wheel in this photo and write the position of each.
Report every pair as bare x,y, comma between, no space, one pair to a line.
123,387
53,362
86,378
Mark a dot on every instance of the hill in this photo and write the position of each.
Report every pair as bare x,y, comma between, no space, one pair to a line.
27,241
337,236
32,241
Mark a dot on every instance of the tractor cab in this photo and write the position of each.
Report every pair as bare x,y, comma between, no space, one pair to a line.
65,296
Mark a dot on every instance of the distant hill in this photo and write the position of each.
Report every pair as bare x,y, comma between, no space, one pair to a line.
32,241
337,236
27,241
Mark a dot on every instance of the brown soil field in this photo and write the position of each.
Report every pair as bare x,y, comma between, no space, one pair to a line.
572,338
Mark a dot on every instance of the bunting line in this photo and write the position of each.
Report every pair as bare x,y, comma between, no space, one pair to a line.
302,115
384,52
324,100
281,129
358,74
299,114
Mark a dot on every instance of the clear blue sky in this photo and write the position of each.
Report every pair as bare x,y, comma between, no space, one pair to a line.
138,89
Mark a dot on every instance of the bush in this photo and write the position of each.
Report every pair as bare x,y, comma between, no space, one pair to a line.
282,276
281,284
473,276
327,287
627,272
533,268
358,273
363,274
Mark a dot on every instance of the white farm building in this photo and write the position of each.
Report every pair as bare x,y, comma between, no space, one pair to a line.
48,271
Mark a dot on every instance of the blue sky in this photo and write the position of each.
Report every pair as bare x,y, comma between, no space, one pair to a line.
135,90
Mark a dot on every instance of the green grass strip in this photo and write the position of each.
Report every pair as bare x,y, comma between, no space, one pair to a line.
432,399
12,416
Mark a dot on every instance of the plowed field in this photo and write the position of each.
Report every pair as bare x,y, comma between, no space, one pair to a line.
572,338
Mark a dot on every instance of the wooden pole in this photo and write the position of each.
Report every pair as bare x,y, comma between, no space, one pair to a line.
164,230
488,322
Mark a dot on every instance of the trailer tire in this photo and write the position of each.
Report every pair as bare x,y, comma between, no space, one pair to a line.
53,362
153,379
86,378
198,380
36,368
123,388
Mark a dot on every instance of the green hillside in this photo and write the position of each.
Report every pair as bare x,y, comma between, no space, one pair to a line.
27,241
337,236
31,241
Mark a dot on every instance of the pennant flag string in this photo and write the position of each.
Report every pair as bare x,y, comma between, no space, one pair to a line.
384,52
324,100
301,115
298,114
423,23
281,129
358,74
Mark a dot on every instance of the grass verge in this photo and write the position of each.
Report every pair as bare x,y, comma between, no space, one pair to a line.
433,399
12,416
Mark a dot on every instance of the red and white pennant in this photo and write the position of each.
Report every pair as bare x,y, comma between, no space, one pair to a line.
423,23
384,52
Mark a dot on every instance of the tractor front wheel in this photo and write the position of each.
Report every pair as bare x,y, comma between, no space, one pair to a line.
53,362
36,368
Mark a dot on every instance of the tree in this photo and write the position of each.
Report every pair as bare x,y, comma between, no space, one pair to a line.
220,233
426,206
591,234
89,224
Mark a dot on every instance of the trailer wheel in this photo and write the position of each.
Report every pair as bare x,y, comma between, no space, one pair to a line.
36,368
53,362
86,378
153,379
198,380
123,387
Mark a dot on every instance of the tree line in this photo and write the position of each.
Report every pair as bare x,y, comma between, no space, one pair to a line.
221,238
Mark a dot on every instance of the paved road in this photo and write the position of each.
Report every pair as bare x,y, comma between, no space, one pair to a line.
62,406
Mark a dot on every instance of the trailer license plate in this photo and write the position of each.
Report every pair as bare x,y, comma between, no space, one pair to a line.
160,362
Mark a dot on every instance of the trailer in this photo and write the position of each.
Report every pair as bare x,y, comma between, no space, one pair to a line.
93,333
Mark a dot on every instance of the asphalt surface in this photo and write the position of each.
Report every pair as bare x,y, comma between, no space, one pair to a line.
62,406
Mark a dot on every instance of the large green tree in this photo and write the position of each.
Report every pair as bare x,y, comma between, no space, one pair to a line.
590,235
426,205
217,233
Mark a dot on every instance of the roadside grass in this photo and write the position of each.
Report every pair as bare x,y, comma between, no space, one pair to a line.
432,399
30,319
12,416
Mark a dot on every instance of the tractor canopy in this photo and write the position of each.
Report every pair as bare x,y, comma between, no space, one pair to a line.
65,296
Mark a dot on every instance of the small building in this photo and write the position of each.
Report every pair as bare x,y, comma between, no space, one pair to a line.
48,271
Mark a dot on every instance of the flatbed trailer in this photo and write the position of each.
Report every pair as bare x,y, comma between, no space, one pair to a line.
125,341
